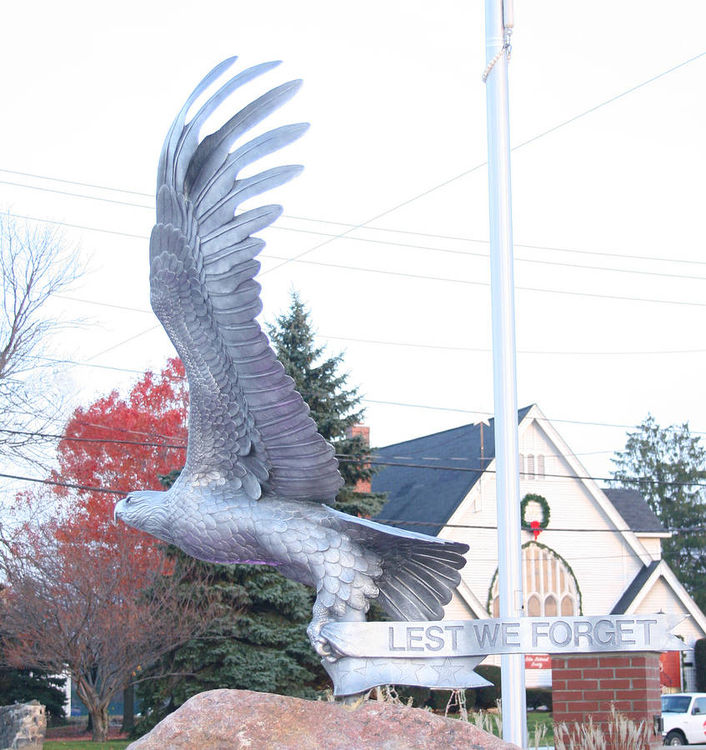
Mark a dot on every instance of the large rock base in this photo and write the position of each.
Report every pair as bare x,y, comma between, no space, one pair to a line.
233,719
22,725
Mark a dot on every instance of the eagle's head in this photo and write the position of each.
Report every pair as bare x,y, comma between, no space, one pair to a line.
146,510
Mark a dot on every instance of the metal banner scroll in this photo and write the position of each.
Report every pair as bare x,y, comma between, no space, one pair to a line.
351,674
443,654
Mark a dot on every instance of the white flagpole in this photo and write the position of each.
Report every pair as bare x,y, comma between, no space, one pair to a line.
498,25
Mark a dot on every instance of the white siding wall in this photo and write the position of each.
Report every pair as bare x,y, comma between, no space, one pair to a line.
653,545
662,598
602,561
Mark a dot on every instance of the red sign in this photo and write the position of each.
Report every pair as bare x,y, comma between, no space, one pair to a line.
670,669
538,661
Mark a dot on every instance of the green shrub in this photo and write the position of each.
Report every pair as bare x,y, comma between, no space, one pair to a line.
438,699
538,697
485,697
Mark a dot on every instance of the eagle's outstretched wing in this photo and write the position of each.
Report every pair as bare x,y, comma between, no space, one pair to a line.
247,424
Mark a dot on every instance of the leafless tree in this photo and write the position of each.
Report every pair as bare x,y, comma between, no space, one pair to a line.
35,267
79,605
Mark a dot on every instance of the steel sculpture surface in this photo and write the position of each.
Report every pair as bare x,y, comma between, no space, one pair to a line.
258,479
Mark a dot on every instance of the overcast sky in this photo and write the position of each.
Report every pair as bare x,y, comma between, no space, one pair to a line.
608,194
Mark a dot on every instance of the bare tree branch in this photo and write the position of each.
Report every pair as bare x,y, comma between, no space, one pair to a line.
72,605
35,267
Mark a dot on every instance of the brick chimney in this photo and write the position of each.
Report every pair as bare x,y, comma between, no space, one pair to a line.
363,432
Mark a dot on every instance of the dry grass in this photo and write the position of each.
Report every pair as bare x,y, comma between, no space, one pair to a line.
623,733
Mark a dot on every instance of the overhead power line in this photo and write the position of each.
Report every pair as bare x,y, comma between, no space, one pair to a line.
75,182
524,143
472,282
455,238
459,238
370,459
73,438
432,248
69,485
426,192
392,521
432,407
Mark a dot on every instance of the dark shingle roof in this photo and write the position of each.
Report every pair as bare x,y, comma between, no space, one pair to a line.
425,493
634,588
634,509
427,478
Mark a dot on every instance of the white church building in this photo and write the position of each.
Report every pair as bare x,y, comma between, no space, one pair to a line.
587,550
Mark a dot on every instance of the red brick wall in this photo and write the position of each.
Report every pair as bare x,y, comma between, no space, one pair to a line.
587,684
362,431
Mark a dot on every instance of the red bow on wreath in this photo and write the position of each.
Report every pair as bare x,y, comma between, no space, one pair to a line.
536,529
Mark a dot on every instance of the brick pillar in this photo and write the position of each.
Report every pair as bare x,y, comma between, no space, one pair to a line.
587,684
363,432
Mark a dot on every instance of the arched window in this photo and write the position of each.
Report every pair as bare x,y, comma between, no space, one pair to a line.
530,466
540,466
549,585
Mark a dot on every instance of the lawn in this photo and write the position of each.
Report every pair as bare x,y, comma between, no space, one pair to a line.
534,718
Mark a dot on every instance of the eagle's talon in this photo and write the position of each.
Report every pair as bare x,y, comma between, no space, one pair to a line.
320,643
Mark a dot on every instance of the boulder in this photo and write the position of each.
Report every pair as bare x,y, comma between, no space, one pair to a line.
233,719
22,725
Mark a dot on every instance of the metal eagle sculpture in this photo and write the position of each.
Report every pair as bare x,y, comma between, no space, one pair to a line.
259,479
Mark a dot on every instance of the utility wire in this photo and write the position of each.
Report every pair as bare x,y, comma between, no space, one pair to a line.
477,412
552,248
74,182
413,246
472,254
70,485
393,521
372,459
76,439
471,282
458,238
382,342
520,145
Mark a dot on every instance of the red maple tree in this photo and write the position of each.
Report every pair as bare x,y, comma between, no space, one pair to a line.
82,593
121,444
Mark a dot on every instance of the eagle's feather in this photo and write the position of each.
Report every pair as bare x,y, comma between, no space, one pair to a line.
257,472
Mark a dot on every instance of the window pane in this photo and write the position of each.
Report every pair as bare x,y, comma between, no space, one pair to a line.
533,609
550,606
567,606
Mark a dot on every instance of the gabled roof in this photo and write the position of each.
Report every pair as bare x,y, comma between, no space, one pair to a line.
645,580
631,592
427,478
635,511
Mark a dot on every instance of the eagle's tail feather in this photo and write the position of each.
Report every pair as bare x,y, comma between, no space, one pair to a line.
419,572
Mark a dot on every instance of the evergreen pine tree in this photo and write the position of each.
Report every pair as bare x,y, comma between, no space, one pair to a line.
334,407
259,642
668,467
24,685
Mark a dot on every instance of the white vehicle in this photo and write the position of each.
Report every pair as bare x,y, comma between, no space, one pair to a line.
684,717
